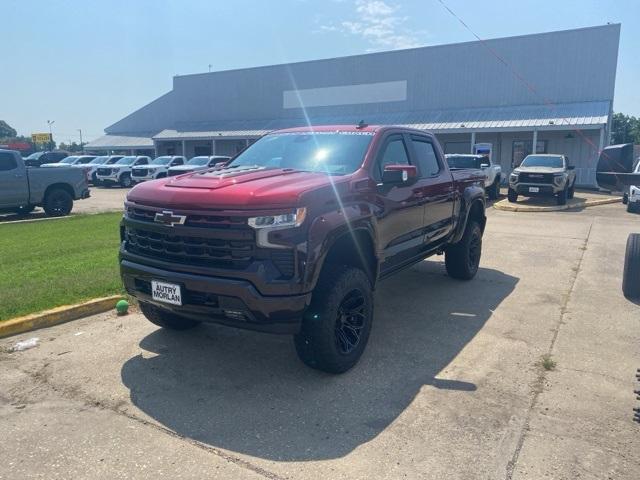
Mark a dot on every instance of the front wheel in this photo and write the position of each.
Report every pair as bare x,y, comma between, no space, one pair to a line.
562,196
58,203
462,259
512,195
631,274
336,327
166,319
494,190
125,180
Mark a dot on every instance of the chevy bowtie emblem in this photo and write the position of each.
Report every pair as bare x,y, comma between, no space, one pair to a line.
168,218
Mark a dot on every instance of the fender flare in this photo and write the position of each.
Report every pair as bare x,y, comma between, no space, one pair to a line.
471,196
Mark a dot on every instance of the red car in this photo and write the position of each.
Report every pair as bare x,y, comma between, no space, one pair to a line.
293,234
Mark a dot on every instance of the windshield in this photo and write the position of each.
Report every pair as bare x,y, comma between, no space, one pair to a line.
198,161
461,161
69,159
99,160
331,152
112,160
161,161
550,161
126,161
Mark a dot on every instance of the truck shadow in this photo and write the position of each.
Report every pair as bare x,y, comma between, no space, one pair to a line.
247,392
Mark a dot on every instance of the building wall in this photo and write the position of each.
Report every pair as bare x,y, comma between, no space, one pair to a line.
464,75
582,149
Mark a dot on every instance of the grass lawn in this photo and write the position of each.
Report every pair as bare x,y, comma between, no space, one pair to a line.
49,263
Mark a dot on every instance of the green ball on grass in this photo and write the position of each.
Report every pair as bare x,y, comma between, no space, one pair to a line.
122,307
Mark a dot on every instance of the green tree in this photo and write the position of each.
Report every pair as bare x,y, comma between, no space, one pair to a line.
625,129
6,131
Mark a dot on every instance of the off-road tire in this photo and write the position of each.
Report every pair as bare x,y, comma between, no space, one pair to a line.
494,189
562,196
126,181
57,203
166,319
463,258
512,195
631,273
322,342
630,207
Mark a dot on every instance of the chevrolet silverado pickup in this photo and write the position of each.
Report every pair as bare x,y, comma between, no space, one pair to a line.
24,188
293,235
492,171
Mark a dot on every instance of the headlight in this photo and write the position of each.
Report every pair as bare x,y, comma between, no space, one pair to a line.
292,219
513,177
558,178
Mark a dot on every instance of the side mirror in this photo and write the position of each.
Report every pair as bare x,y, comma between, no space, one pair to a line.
571,167
399,174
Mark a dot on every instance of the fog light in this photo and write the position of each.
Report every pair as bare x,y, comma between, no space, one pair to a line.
235,315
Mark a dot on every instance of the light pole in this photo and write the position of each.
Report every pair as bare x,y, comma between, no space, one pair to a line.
50,122
81,144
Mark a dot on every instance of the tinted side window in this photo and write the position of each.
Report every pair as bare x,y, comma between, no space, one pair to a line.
426,157
178,161
7,161
395,153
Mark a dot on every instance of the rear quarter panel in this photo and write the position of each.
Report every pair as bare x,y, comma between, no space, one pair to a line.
41,178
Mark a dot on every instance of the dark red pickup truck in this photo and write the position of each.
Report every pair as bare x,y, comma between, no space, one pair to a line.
293,234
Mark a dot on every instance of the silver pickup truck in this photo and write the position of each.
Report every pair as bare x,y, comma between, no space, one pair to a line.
24,188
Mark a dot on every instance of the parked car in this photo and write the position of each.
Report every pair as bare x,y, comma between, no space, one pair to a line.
72,160
615,172
543,175
38,158
633,199
293,235
492,171
22,189
198,163
92,167
158,168
120,171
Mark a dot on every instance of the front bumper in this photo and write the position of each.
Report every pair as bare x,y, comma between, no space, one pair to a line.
227,301
109,178
543,189
145,178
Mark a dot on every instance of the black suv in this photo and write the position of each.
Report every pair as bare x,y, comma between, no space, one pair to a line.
40,158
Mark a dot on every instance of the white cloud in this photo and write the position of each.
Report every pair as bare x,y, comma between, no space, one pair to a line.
379,23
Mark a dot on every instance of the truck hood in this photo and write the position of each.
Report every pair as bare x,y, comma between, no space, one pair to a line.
258,188
539,170
148,167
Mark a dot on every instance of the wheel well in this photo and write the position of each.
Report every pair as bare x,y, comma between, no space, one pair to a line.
63,186
476,212
357,250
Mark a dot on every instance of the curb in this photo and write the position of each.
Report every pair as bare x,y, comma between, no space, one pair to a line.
55,316
509,207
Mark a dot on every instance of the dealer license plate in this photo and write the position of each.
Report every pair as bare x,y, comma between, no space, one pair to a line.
534,189
166,292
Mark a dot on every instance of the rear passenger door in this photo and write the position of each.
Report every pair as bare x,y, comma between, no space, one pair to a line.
435,188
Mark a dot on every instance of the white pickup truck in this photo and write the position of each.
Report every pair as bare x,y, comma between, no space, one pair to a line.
158,168
120,172
492,171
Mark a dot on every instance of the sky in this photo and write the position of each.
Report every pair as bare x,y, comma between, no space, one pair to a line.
87,63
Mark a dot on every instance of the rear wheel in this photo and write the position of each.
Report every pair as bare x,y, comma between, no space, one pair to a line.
462,259
494,189
512,195
631,274
58,203
630,207
336,327
125,180
166,319
562,196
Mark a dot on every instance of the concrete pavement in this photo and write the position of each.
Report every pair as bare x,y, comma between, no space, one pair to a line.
450,385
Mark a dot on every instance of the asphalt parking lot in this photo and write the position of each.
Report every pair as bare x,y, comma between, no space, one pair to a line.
450,385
